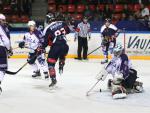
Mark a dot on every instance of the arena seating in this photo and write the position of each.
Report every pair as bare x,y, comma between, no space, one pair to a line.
14,14
77,9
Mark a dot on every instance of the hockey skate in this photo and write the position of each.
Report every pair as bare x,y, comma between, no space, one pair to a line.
61,66
53,82
118,92
104,61
46,75
78,58
36,74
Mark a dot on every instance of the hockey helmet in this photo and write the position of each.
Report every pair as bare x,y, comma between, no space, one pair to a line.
50,17
2,17
31,23
118,49
108,20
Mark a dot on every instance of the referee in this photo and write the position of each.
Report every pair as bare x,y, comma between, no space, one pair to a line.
83,32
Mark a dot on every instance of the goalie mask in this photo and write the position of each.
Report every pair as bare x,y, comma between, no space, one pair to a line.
118,50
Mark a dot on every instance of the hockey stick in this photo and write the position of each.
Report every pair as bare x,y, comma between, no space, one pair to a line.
94,50
87,93
13,73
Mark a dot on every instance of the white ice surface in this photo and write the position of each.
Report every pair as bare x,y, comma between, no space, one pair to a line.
22,94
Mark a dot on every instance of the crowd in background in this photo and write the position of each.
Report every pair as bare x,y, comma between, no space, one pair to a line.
18,7
127,14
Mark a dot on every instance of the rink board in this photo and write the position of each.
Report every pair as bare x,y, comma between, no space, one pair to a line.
137,45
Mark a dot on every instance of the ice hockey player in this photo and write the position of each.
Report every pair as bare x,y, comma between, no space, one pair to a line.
5,47
124,76
54,35
109,33
33,41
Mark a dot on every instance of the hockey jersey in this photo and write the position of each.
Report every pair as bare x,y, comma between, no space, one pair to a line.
55,33
119,65
33,40
5,37
108,31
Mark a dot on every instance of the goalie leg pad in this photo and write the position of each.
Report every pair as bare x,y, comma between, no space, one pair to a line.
118,92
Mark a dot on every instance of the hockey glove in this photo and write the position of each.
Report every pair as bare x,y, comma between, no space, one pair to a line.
102,75
40,50
10,52
21,45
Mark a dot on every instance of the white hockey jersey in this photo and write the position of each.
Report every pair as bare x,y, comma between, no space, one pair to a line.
5,37
119,65
33,40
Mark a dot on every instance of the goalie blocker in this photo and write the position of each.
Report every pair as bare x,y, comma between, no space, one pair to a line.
124,76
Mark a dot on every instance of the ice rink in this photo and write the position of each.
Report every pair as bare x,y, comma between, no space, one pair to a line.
23,94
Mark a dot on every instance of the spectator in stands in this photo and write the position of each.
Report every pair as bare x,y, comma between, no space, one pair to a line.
144,12
27,6
1,5
97,17
59,15
137,15
88,13
13,4
92,1
126,11
131,18
107,12
124,17
64,1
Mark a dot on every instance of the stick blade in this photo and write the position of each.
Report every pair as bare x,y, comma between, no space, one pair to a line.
87,93
10,73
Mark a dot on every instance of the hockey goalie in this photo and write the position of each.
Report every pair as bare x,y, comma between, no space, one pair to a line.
124,76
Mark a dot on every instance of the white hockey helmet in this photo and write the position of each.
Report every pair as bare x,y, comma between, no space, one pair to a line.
31,23
2,17
117,50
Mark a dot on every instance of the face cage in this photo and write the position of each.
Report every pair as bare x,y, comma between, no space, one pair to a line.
117,53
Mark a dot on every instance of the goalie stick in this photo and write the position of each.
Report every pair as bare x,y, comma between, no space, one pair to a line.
87,93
